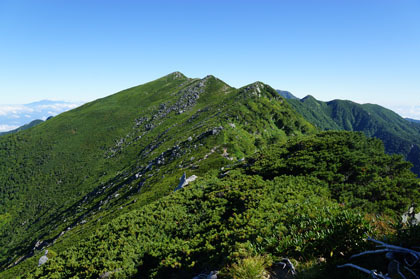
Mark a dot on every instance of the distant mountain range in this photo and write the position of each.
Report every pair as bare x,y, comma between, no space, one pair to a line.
399,135
413,120
286,94
24,127
15,116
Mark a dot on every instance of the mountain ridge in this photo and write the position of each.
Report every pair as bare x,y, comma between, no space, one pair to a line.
118,145
286,94
413,120
96,185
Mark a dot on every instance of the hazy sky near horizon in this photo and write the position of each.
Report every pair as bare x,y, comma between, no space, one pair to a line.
367,51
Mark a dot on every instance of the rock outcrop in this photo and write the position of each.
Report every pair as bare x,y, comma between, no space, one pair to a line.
184,181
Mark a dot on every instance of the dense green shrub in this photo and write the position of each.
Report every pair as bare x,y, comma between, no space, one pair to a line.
198,229
355,168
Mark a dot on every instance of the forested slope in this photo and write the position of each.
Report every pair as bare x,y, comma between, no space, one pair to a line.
304,200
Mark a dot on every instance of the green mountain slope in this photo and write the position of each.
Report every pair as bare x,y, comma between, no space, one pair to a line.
281,202
91,164
399,135
96,186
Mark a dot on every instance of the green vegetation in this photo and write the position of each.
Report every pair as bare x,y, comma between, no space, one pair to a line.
399,135
125,151
95,186
227,219
250,268
355,169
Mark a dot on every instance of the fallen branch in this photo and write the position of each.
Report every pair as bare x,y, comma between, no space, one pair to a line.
393,254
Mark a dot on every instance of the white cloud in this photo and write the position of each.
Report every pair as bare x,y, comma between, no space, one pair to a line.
407,111
5,128
58,106
18,115
14,109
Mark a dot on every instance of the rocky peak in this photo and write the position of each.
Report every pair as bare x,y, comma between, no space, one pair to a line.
255,88
208,77
202,82
176,75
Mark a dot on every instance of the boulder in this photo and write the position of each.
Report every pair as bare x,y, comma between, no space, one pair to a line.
43,259
211,275
184,181
283,270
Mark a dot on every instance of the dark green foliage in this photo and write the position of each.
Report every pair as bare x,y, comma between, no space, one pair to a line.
202,227
355,169
399,135
267,206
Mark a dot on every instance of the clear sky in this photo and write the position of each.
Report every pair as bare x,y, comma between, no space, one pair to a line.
80,50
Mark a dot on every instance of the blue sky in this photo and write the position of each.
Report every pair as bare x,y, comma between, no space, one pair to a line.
80,50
